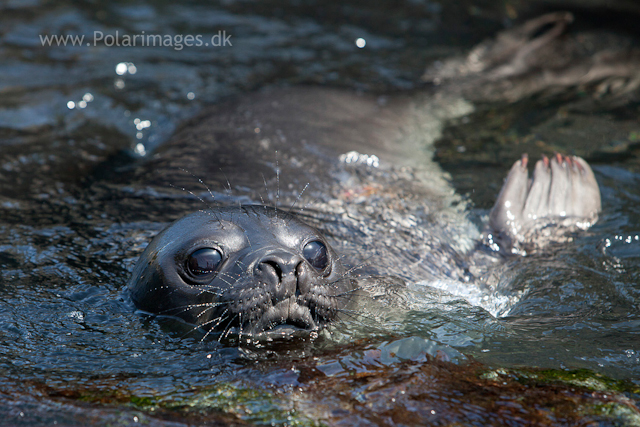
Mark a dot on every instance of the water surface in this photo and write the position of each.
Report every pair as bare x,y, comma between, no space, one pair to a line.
72,349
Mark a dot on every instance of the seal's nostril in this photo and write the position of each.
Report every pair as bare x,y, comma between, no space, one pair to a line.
276,267
299,272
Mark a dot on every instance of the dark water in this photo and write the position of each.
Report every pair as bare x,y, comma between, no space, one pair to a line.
72,350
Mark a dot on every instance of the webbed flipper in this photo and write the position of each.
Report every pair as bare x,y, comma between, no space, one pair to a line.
561,197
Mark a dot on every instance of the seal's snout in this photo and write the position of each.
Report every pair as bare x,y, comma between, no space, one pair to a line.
279,272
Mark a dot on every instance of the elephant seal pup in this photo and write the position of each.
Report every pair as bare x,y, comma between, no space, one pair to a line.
374,188
251,268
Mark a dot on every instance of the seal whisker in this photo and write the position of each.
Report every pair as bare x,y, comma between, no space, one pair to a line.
338,279
212,213
277,185
307,205
219,320
206,309
241,264
355,268
210,291
236,279
266,188
221,276
175,310
227,329
229,276
233,279
240,326
228,188
208,190
204,337
347,293
298,197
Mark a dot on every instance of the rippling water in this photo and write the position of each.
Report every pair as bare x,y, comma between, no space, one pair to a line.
73,351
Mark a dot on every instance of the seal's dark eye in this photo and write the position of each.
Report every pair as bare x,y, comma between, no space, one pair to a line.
316,253
204,261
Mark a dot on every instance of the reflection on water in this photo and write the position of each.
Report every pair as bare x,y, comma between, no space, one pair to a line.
73,116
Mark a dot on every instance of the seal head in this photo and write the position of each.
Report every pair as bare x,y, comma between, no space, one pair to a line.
249,268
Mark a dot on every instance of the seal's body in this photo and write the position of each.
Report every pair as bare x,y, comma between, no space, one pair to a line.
373,187
255,268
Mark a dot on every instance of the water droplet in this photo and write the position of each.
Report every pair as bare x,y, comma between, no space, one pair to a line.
140,149
121,68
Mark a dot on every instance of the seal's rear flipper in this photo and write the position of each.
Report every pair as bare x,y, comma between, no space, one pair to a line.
562,197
